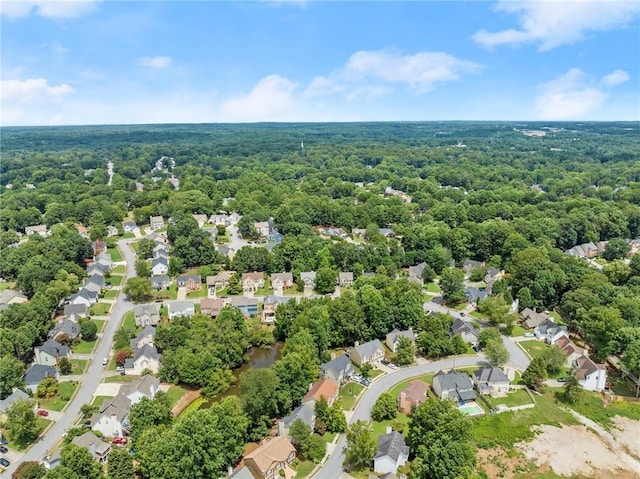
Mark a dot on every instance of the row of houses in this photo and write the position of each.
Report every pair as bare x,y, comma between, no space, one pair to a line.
591,250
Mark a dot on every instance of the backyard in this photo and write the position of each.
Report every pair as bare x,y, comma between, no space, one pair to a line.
175,393
518,397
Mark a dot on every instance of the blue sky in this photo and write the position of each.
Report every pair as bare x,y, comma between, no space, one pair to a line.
124,62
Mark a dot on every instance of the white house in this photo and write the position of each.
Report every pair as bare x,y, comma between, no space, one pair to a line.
180,308
550,332
156,222
111,418
159,266
393,338
50,353
144,387
145,358
392,452
591,376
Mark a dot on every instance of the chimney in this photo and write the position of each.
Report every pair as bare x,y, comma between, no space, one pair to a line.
403,401
333,355
389,429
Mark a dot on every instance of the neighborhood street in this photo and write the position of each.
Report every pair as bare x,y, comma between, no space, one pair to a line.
91,379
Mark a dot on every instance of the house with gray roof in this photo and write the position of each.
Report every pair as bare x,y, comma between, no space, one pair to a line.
345,279
145,358
416,272
531,319
16,395
74,312
468,333
304,412
453,385
11,296
160,250
338,369
84,296
270,306
191,282
111,418
129,227
160,281
550,332
491,381
393,338
366,353
308,278
392,452
37,373
473,295
98,449
180,308
145,387
50,353
146,314
66,328
144,337
159,266
248,306
590,375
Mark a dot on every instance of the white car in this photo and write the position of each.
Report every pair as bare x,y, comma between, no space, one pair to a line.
105,361
120,368
529,335
393,366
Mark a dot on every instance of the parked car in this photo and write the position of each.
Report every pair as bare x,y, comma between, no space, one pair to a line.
119,440
4,462
42,412
3,449
104,361
384,361
529,335
562,380
3,441
120,368
393,366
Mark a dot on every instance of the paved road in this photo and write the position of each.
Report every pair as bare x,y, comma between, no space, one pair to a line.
332,468
91,379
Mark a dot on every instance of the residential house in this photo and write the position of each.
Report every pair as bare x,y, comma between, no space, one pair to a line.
262,228
84,296
104,259
159,282
412,396
146,314
270,458
491,381
16,395
211,306
416,272
308,278
36,373
159,266
324,388
550,332
234,218
226,251
590,375
248,306
50,353
97,447
453,385
66,329
95,283
251,282
112,231
111,418
219,220
145,358
99,247
145,387
569,349
305,412
191,282
387,232
469,265
270,306
11,296
201,219
393,338
159,238
366,353
473,295
82,230
280,282
345,279
392,452
156,222
468,333
130,227
492,275
75,312
338,369
531,319
37,229
97,268
160,250
146,336
219,281
180,308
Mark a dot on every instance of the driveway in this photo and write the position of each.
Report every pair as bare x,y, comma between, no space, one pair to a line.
91,379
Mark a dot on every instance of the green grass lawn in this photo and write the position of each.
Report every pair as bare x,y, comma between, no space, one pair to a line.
517,331
622,386
374,373
174,394
84,347
100,324
194,406
58,402
171,293
120,379
127,236
304,469
78,365
433,287
534,348
129,322
329,437
556,317
478,315
100,309
110,294
114,280
516,398
118,269
591,406
98,400
115,254
201,293
349,393
508,428
381,427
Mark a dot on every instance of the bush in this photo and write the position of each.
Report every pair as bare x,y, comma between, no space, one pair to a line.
47,388
88,330
122,356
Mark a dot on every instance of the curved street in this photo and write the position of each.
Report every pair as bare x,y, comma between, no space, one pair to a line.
91,378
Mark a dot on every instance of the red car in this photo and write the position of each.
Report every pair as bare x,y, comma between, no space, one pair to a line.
42,412
119,440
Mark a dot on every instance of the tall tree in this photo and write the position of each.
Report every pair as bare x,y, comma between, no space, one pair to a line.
452,285
535,373
496,353
120,465
405,351
384,408
80,461
10,375
361,446
21,424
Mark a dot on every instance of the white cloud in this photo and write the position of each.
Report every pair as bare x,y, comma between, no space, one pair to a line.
572,96
374,72
155,62
615,78
556,22
32,90
56,9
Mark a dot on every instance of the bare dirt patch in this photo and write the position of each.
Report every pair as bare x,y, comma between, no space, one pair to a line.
627,433
497,463
573,450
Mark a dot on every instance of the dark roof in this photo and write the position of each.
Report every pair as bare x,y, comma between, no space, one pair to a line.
76,309
392,445
146,350
454,382
38,372
303,412
54,348
188,277
459,326
159,260
68,327
337,365
474,294
417,270
490,375
367,349
160,279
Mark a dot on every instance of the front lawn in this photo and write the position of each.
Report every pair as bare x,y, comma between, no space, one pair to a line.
100,324
374,373
100,309
120,379
304,469
78,365
174,394
114,280
534,348
118,269
348,394
478,315
380,428
98,400
201,293
433,287
129,323
84,347
329,437
116,257
110,294
58,402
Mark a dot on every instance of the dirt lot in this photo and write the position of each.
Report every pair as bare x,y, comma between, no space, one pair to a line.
578,450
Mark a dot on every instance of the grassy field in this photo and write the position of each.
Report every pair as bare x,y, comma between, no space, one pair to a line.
98,400
381,427
432,287
58,402
517,331
100,309
194,406
348,394
84,347
118,269
129,322
110,294
534,348
78,365
115,254
175,393
114,280
120,379
516,398
201,293
591,406
329,436
478,315
304,469
100,324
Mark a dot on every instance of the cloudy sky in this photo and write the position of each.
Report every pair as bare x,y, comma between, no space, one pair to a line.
123,62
